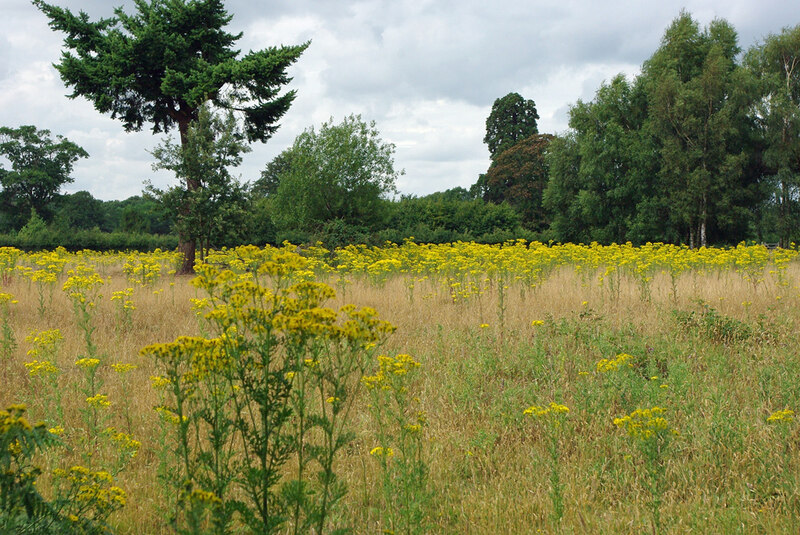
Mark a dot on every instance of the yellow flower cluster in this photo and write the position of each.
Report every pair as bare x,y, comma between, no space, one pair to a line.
388,369
37,368
554,409
12,419
44,342
645,423
381,452
786,415
122,368
610,365
124,296
92,488
98,401
87,363
124,441
204,356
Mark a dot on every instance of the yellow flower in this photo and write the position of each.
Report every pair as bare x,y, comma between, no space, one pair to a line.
537,323
379,451
43,368
551,410
610,365
484,325
786,415
87,363
645,423
123,368
98,401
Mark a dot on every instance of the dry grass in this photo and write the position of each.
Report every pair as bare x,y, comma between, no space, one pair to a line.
488,464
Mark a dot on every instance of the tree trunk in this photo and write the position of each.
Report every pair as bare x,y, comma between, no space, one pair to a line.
703,218
186,245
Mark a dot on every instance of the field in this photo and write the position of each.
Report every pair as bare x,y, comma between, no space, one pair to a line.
559,389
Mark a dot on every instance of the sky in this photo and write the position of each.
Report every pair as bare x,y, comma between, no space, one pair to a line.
426,71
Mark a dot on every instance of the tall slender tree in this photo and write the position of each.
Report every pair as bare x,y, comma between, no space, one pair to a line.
775,64
161,64
691,85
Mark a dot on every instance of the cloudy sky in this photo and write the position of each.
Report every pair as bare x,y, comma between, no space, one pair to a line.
427,71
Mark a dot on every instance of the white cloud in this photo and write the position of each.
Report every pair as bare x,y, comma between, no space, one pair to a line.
426,71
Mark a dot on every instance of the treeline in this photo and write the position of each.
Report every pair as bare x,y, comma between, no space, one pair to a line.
703,147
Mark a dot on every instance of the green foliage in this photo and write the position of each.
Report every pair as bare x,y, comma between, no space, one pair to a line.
35,234
39,167
214,210
511,120
93,239
690,81
162,64
79,211
712,325
775,67
83,498
518,175
444,217
343,171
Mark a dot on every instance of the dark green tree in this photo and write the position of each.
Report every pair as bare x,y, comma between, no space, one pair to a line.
39,166
267,183
215,211
79,211
512,119
342,171
562,198
613,193
163,63
696,116
518,175
775,65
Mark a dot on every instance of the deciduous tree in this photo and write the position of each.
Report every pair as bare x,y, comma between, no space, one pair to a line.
39,166
341,171
775,64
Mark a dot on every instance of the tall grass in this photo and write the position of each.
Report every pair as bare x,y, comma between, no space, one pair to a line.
717,352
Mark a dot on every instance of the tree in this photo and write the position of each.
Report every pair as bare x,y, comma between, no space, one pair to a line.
696,116
775,64
613,193
512,119
163,63
518,175
343,171
215,210
39,167
79,211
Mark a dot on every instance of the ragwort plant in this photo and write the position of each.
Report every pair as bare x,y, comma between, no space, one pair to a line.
399,451
269,390
651,433
553,418
8,342
82,499
44,373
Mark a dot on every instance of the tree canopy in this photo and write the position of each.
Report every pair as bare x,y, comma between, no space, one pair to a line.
161,64
341,171
39,166
512,119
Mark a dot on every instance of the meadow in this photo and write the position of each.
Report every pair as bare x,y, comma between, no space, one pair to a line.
456,388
